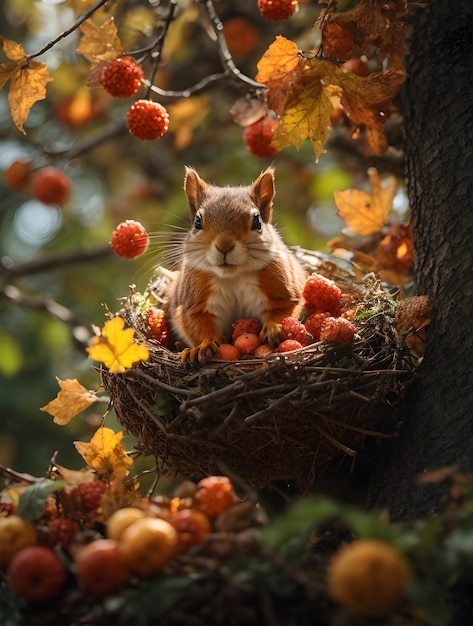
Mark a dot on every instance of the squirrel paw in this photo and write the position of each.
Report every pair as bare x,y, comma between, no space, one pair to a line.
200,353
270,333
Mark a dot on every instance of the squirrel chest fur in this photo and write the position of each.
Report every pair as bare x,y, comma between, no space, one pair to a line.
233,264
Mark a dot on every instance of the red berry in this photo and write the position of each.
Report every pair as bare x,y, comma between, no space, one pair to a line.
277,10
51,186
121,78
321,294
314,322
90,494
147,120
337,329
288,345
258,137
101,568
158,325
292,328
36,574
214,494
246,325
62,529
129,239
17,174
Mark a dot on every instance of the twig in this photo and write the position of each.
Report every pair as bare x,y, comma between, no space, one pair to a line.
80,20
230,69
156,55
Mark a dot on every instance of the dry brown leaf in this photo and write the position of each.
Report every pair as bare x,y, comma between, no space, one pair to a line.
100,43
71,400
28,80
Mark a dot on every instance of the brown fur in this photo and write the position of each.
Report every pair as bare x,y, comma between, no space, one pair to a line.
229,269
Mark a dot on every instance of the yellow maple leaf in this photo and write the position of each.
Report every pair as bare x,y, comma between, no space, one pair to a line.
105,454
100,43
71,400
306,115
364,213
115,347
28,80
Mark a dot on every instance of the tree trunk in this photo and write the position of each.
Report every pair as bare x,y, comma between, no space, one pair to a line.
438,413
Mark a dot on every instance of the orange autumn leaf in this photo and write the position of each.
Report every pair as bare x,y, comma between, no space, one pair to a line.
105,454
366,213
28,80
279,65
116,348
100,43
302,89
71,400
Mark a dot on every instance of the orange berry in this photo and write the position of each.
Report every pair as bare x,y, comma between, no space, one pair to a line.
120,519
277,10
214,494
247,343
17,174
158,325
192,527
227,352
263,351
368,576
51,186
129,239
122,77
147,120
288,345
241,35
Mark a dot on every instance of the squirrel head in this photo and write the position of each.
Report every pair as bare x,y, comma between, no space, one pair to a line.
231,226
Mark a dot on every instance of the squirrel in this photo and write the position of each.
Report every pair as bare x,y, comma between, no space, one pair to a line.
233,264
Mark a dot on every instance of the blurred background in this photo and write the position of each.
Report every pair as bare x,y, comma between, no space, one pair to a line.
57,272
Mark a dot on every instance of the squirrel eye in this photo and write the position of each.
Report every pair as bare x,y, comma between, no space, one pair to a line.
197,222
257,223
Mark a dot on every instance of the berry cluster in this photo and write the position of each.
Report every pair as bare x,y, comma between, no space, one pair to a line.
41,557
129,239
121,77
147,120
277,10
158,325
47,184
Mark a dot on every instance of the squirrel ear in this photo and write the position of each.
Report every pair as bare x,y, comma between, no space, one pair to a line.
195,189
262,192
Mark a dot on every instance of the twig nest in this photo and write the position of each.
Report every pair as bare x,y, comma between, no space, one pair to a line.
284,417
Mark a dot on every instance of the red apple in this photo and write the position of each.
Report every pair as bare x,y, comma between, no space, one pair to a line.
36,574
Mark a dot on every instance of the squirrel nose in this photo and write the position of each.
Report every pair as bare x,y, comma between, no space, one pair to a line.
225,247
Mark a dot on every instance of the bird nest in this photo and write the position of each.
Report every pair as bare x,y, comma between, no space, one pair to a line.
284,417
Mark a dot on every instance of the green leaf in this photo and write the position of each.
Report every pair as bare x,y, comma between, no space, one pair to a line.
33,500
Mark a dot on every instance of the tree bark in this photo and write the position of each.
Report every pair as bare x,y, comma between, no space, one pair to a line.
438,109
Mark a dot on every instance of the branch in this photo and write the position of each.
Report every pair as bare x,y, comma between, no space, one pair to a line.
80,331
12,270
